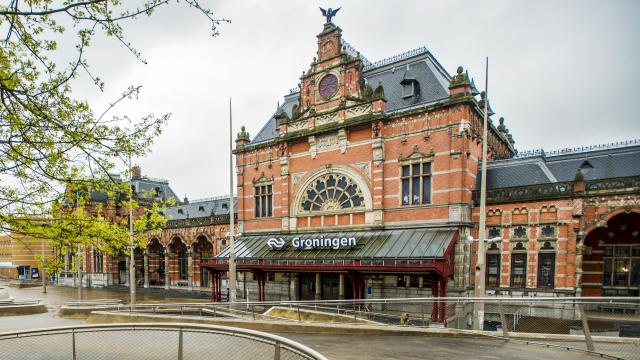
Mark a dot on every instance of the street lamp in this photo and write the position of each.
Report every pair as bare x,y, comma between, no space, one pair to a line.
478,306
132,260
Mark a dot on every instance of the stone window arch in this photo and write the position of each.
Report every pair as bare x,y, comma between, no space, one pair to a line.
332,190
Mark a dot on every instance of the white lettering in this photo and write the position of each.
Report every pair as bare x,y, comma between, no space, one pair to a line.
321,242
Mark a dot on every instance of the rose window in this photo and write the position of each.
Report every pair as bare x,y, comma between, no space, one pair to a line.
332,192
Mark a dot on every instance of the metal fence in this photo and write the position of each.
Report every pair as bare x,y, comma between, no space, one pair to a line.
603,325
150,341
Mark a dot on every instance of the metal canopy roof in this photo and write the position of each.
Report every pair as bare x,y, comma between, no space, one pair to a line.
383,244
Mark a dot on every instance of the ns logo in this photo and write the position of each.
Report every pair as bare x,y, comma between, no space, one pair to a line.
276,243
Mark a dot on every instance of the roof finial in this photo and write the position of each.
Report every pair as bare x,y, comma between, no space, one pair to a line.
329,13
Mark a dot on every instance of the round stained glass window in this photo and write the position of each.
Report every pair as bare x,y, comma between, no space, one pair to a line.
328,86
332,192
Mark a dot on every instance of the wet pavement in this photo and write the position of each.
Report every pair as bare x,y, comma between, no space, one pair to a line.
336,347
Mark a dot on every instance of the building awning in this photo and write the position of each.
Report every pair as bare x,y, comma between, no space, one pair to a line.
412,250
7,265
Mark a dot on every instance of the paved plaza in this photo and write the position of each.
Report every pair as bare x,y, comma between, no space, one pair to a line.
335,347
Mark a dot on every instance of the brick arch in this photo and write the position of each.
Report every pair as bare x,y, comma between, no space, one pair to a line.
604,219
348,171
180,239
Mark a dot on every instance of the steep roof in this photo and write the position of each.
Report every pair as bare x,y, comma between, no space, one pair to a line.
200,208
538,167
431,80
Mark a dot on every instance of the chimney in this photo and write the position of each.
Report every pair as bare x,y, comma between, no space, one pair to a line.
136,172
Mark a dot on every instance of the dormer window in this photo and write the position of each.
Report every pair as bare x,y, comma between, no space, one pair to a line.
180,212
201,208
409,84
225,206
408,89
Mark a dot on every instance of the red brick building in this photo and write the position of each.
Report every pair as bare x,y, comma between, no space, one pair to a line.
364,184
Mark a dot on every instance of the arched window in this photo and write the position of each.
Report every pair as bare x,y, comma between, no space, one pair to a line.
332,192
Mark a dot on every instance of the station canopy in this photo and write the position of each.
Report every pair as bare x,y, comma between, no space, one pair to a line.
414,243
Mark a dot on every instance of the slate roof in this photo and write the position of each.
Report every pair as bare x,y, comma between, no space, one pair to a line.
432,86
144,187
543,168
200,208
383,244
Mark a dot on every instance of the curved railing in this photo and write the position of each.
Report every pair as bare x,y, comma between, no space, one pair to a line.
150,341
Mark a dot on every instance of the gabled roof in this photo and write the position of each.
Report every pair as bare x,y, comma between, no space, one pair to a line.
430,77
200,208
532,168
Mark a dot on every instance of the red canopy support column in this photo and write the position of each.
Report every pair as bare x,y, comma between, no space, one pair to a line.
434,294
443,303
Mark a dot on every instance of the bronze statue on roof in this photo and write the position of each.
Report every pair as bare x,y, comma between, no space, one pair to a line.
329,13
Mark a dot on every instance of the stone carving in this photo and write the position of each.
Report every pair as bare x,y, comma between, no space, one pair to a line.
359,110
313,150
297,126
365,168
342,140
326,141
295,178
377,151
326,119
284,166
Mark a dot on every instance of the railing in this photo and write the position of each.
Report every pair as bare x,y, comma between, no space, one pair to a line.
395,58
603,185
577,150
529,192
144,341
559,190
604,325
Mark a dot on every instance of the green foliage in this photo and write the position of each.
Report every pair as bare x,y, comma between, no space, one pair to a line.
54,150
79,222
49,137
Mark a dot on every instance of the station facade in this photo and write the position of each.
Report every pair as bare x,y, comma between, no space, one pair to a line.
364,183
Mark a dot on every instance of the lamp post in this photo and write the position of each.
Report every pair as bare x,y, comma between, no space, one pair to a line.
132,261
43,272
479,291
231,278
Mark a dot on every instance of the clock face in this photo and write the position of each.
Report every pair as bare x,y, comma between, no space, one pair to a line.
328,86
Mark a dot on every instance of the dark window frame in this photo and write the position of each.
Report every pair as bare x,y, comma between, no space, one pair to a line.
522,281
263,201
546,281
493,280
415,183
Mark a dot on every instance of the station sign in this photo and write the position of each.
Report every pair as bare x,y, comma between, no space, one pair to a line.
321,242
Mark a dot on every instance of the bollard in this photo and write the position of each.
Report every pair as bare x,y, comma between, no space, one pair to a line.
214,311
253,312
299,317
503,321
585,328
422,311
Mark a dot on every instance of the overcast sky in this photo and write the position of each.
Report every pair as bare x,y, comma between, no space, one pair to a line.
562,73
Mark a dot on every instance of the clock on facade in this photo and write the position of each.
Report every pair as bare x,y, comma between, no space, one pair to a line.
328,86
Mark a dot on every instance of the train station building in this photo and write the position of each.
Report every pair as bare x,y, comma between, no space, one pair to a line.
364,183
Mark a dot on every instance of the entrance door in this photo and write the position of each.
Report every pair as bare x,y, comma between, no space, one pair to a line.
330,286
307,286
122,272
204,277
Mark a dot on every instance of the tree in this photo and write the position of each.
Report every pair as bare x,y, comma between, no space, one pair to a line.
78,221
49,138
